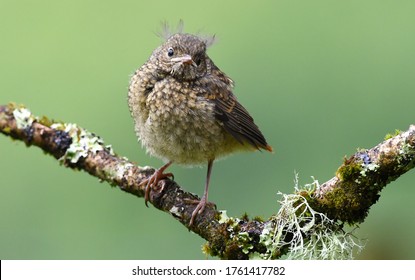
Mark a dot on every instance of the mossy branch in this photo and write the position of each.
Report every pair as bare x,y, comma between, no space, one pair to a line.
308,225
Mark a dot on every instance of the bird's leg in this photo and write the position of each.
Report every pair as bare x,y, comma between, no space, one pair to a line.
154,179
203,201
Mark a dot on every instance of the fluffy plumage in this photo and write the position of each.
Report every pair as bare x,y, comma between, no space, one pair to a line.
184,109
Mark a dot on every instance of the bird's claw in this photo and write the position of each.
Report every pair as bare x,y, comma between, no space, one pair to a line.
152,182
200,207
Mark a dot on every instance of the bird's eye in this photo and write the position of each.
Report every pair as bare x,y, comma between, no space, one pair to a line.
170,52
198,61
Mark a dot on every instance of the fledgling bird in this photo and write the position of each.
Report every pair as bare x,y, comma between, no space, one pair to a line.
185,112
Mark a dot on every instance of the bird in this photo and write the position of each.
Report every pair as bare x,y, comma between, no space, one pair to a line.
185,111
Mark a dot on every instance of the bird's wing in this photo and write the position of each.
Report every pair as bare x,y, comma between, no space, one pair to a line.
237,121
229,112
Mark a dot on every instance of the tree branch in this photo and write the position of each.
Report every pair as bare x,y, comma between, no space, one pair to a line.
345,198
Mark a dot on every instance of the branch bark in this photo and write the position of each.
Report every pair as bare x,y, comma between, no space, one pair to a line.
345,198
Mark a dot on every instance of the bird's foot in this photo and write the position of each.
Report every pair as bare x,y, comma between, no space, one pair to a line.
200,207
152,182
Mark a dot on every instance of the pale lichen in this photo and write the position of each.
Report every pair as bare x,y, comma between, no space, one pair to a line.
83,142
242,239
175,211
121,169
306,233
406,153
268,238
23,117
118,172
224,218
368,167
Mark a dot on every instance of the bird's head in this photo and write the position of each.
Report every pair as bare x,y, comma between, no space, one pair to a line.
183,56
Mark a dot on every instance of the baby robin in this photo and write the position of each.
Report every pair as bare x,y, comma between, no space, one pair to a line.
185,112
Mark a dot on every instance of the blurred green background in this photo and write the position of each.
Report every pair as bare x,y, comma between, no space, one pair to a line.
321,78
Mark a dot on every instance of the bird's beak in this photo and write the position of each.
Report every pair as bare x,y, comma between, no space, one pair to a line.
185,59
